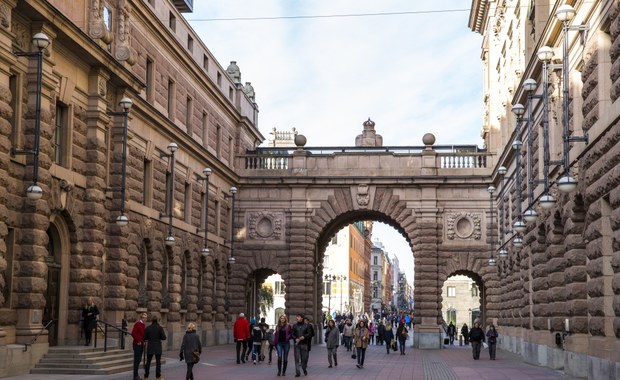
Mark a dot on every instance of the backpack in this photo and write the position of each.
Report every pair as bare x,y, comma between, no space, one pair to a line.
270,334
257,334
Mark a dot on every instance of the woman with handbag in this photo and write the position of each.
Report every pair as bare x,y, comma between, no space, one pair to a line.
360,340
190,350
402,334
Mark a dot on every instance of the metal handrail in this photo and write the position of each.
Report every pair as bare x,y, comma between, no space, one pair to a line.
122,331
38,335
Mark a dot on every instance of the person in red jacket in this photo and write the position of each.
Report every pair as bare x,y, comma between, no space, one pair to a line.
241,334
137,333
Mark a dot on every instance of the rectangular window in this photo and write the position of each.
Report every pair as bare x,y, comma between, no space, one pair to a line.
61,132
150,80
190,43
451,291
279,288
187,207
327,288
218,141
172,22
189,105
171,93
205,129
375,260
147,183
218,217
230,93
16,106
169,195
203,211
231,150
205,62
219,78
375,276
7,291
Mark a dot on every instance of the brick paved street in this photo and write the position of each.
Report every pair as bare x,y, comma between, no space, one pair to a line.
447,364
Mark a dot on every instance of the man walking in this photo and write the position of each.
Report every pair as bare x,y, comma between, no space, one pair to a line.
241,334
476,337
137,333
153,335
301,335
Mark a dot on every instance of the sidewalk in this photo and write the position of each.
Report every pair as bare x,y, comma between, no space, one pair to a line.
452,363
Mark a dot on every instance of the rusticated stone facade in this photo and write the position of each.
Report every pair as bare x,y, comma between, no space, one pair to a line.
558,293
57,251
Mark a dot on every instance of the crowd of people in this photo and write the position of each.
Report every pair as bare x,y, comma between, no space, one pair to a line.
255,341
259,340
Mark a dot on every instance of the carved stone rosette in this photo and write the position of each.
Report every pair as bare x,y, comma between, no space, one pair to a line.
263,225
463,226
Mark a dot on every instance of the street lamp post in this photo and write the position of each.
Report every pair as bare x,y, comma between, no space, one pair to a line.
125,103
172,148
41,41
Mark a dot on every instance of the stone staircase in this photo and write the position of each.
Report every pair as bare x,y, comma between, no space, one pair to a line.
85,361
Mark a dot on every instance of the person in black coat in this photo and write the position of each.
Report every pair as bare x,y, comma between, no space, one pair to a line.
153,335
476,337
89,319
190,350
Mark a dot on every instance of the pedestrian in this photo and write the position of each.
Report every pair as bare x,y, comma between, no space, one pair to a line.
360,340
492,341
190,350
89,319
380,332
402,335
332,340
347,334
264,343
257,341
269,334
371,332
311,329
300,334
465,333
476,337
282,340
241,334
153,335
137,333
388,335
451,333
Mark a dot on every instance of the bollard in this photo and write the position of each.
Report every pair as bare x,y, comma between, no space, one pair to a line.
460,340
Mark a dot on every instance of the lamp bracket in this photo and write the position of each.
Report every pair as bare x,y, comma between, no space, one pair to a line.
15,152
117,113
556,162
555,66
580,28
26,53
583,138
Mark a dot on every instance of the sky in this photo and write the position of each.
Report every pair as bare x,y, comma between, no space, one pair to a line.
414,71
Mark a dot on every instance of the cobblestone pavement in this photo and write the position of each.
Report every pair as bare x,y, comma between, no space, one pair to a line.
451,363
